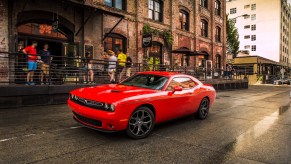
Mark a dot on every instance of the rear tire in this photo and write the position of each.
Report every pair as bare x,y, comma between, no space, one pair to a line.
141,123
203,109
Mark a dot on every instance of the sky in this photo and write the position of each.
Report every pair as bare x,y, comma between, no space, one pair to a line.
289,1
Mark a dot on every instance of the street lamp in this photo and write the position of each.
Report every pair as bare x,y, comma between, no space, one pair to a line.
244,15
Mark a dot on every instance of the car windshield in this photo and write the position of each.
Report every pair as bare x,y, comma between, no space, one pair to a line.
146,81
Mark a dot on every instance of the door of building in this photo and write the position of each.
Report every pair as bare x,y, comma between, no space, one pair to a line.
155,56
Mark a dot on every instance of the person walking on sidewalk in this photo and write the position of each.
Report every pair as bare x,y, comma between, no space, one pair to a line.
32,64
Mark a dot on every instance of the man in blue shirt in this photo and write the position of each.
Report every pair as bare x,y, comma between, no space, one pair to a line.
45,63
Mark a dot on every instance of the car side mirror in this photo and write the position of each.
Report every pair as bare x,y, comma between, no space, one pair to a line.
177,88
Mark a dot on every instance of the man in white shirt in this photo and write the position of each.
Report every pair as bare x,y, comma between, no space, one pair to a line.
112,66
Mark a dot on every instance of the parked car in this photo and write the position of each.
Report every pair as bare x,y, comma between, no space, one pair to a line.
137,104
282,81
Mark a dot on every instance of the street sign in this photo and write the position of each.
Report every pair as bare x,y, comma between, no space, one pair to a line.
146,41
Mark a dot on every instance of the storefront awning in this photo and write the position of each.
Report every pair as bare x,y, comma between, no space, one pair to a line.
188,52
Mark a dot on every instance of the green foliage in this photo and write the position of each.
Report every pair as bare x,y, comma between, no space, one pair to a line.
168,37
232,37
146,29
166,34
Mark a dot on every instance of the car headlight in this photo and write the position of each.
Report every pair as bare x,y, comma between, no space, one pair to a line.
71,96
109,107
112,108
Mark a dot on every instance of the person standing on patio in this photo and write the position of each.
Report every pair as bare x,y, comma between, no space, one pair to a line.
88,69
112,66
32,64
45,63
121,63
128,66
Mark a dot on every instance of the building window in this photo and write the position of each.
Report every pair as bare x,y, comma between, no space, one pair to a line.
232,11
184,20
247,36
155,10
247,6
204,3
254,27
254,48
253,7
253,17
254,37
233,20
247,47
247,27
115,42
119,4
204,28
217,7
218,34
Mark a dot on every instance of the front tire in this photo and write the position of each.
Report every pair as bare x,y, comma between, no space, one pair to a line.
203,110
141,123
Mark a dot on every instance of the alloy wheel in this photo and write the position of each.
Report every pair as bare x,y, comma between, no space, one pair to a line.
203,109
140,123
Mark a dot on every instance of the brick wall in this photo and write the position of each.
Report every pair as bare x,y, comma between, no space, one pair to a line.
136,16
4,40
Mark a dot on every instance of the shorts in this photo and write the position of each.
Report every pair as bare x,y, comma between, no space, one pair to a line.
120,69
45,68
128,72
111,70
32,66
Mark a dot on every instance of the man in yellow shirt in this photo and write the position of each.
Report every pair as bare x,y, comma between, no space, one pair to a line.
121,63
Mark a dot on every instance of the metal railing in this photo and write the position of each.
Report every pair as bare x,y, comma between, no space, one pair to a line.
74,70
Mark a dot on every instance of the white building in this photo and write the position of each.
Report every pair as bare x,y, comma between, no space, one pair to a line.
266,31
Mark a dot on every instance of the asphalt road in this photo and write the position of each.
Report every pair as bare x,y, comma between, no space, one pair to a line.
245,126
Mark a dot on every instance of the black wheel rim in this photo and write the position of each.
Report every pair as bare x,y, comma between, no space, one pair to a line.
140,123
204,107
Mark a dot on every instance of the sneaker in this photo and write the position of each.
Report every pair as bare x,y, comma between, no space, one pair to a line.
27,83
32,83
84,82
41,83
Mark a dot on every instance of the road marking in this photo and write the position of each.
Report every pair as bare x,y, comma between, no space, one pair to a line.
8,139
13,138
32,134
75,127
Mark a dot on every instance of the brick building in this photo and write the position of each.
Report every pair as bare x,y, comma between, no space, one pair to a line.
197,26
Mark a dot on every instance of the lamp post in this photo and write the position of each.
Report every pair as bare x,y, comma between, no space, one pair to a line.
244,15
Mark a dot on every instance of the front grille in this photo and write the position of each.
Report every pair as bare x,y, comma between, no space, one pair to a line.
88,120
88,103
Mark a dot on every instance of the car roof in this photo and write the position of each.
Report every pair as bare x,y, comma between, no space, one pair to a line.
161,73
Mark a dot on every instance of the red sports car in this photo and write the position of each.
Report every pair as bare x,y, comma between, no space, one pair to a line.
140,102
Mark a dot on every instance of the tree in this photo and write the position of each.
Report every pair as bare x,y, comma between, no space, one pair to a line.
232,37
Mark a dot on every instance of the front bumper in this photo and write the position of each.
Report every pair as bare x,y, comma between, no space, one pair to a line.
98,119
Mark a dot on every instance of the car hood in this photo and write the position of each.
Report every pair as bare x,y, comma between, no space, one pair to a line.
111,93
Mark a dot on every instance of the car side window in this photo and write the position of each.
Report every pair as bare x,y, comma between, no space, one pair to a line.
183,82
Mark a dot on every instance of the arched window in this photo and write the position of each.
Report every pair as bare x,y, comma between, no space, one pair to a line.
155,10
115,42
204,3
218,34
184,20
204,28
217,7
